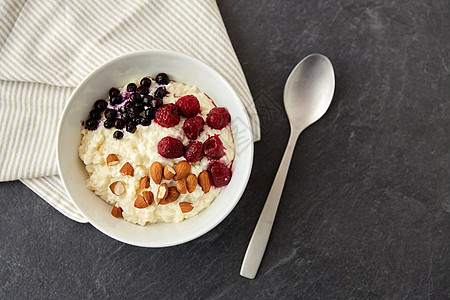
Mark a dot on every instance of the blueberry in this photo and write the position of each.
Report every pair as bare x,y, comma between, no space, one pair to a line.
126,116
119,124
113,91
160,92
118,134
143,89
100,105
162,78
128,105
139,107
131,128
133,112
91,124
138,120
147,99
108,124
156,103
116,99
94,114
110,114
146,122
131,87
150,113
136,97
146,82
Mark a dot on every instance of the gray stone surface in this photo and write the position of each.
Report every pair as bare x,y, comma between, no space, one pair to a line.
365,212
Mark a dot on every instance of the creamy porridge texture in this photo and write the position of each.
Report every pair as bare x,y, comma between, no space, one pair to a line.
157,150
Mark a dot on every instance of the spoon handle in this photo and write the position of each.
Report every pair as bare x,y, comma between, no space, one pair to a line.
258,242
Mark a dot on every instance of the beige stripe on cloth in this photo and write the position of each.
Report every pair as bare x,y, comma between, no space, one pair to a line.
48,47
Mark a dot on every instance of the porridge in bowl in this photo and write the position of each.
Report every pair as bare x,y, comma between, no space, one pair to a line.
157,150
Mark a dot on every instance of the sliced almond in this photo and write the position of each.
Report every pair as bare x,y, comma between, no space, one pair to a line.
112,160
148,197
182,169
191,182
172,196
144,182
156,172
163,190
127,169
116,211
169,172
140,202
181,186
205,181
186,207
117,188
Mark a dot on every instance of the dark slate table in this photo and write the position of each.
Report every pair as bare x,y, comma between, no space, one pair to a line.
365,212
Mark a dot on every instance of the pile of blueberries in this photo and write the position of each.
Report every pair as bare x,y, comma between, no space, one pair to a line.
138,107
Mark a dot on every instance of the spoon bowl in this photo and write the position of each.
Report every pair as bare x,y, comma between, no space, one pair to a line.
307,96
308,91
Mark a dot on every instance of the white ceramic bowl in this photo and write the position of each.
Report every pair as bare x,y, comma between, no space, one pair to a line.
117,73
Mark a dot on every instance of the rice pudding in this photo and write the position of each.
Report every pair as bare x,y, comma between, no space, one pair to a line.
157,150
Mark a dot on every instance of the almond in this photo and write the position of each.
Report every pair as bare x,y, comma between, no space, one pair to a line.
116,211
144,200
148,197
191,182
140,202
163,190
181,186
169,172
112,160
127,169
182,169
205,181
145,182
186,207
172,196
156,172
117,188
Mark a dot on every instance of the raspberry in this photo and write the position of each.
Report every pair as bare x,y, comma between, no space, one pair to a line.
213,147
188,105
167,115
194,151
220,174
193,126
218,117
170,147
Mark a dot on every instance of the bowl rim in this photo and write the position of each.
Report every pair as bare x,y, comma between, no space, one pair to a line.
203,230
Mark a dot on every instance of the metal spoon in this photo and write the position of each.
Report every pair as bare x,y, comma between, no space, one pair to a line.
307,96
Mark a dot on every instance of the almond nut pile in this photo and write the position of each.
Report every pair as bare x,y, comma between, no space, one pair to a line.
180,174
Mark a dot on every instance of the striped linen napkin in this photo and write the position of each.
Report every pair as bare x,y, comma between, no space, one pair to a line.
48,47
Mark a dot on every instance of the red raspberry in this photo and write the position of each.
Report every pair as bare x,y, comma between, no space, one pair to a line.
220,174
170,147
167,115
194,151
213,147
193,126
188,105
218,117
